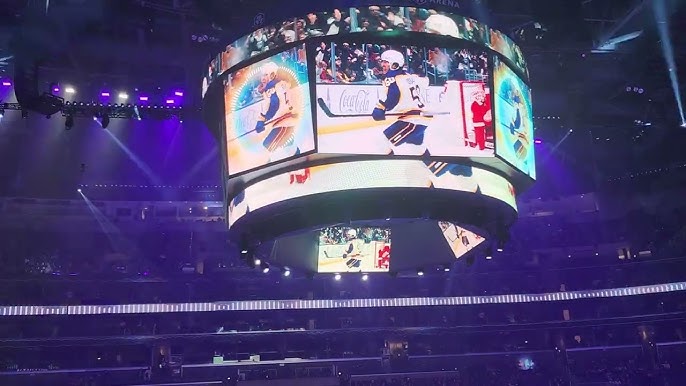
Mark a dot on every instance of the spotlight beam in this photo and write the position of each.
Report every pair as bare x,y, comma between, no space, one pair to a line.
660,13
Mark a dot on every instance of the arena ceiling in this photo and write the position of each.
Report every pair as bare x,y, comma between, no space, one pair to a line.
579,77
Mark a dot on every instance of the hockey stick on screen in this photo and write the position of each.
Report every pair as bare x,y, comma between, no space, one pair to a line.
331,114
273,120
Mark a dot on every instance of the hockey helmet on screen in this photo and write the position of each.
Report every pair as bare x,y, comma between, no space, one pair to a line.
269,68
441,25
351,233
394,58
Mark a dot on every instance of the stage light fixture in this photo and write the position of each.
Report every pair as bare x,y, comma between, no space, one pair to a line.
420,272
78,190
2,113
446,269
105,94
178,93
287,273
266,268
365,277
123,96
69,90
54,88
489,253
337,277
6,83
258,262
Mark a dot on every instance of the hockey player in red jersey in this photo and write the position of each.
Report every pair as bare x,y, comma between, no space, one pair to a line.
404,98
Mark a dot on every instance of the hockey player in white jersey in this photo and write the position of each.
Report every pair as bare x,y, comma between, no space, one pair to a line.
404,98
353,252
277,116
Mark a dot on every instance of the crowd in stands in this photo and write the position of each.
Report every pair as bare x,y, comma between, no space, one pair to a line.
616,366
361,63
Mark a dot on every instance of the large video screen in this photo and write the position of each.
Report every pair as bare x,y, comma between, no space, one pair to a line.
211,74
268,112
365,19
354,249
403,100
371,174
502,44
460,240
514,119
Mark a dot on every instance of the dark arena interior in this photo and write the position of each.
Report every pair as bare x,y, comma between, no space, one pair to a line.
342,192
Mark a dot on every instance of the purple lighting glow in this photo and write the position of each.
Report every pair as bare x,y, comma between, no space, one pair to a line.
55,89
6,83
170,101
104,94
178,93
538,141
143,98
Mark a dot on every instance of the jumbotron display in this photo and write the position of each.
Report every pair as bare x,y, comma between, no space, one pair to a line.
514,120
354,249
371,174
460,240
338,127
403,100
379,18
268,114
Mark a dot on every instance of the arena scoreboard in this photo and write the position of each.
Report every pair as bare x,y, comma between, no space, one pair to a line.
370,116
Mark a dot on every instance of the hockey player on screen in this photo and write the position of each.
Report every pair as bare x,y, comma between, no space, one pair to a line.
404,96
353,250
277,114
516,126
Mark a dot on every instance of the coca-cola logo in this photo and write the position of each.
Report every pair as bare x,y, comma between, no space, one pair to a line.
354,101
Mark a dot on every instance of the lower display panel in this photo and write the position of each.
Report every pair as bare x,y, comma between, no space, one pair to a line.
370,174
354,249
